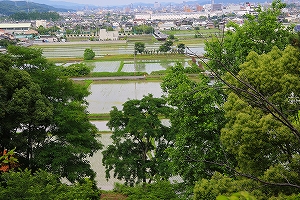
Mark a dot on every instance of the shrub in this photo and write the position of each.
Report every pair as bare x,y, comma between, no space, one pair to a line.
88,54
43,185
159,190
78,69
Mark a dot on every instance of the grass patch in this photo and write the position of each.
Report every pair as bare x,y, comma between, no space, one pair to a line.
88,82
121,66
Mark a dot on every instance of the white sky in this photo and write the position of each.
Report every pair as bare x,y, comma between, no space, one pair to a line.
116,2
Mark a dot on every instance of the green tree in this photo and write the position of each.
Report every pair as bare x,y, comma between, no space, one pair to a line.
181,48
219,186
196,121
77,69
262,131
261,135
88,54
139,141
258,33
47,31
43,185
166,46
7,42
171,37
139,47
44,115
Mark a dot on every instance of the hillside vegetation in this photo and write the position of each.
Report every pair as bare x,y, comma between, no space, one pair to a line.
12,7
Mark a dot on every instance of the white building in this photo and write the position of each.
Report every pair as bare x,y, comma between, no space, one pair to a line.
108,35
17,28
170,16
39,23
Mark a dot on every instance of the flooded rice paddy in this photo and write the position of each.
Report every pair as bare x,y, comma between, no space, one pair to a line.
106,95
100,50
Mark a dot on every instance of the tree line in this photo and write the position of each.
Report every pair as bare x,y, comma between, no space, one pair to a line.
166,47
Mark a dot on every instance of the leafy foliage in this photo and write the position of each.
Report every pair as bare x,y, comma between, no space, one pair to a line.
139,141
157,190
7,42
44,116
43,185
263,133
181,48
47,31
262,108
36,15
11,7
220,186
139,47
258,33
197,121
75,70
166,46
88,54
143,29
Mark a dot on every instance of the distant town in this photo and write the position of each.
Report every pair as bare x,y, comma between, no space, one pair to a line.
117,23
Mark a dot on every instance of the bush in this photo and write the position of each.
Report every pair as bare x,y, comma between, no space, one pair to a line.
159,190
88,54
78,69
43,185
221,185
194,69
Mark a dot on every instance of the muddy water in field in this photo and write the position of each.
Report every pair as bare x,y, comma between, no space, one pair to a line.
106,95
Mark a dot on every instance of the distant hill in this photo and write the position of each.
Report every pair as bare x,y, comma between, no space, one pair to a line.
66,5
11,7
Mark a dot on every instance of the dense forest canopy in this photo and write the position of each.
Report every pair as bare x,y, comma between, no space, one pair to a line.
43,116
50,16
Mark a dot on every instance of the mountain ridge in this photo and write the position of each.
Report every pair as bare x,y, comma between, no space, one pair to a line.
11,7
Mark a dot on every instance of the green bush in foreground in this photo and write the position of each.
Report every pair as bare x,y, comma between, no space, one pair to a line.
159,190
43,185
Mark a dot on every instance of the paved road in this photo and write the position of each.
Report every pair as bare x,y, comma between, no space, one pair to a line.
110,78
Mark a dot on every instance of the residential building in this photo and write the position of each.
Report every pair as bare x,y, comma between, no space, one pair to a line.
108,35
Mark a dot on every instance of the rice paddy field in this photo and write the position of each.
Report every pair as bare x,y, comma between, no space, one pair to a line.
71,50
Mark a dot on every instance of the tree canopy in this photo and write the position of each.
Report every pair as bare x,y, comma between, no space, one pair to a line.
139,47
43,116
263,131
259,33
196,121
43,185
139,141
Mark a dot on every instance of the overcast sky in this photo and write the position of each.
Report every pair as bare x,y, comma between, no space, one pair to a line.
116,2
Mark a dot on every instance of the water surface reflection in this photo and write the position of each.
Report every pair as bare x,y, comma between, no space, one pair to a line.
106,95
